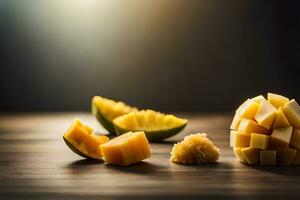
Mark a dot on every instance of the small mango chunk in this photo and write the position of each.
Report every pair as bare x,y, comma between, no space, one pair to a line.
280,137
239,139
296,160
77,133
251,155
277,100
248,109
292,113
127,149
195,149
280,119
238,154
259,141
267,157
235,122
80,139
265,114
285,156
259,99
295,139
250,126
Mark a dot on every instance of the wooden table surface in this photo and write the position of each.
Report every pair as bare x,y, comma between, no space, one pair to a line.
36,164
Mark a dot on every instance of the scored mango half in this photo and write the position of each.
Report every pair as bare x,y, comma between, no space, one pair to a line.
127,149
106,110
81,140
157,126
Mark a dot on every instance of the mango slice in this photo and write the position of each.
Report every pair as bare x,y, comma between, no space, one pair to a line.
80,139
248,109
265,114
292,113
272,136
277,100
106,110
157,126
127,149
195,149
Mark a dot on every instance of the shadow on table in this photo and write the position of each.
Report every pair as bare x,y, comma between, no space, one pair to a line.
280,170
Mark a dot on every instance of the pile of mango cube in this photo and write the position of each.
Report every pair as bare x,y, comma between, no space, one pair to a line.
267,131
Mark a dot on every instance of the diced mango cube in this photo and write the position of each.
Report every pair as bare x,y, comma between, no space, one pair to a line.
281,137
295,139
251,126
248,109
280,119
127,149
91,145
265,114
259,141
277,100
76,135
235,122
267,157
285,156
238,154
251,155
292,113
239,139
259,99
296,160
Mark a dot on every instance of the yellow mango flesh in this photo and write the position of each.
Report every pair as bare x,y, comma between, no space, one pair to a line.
285,156
277,100
238,153
281,137
267,157
235,122
127,149
292,113
295,139
248,109
251,155
239,139
259,141
250,126
82,139
280,119
265,114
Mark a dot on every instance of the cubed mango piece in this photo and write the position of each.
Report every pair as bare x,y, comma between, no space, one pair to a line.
285,156
248,109
265,114
280,137
277,100
235,122
292,113
251,155
251,126
91,145
259,99
280,119
259,141
127,149
267,157
295,138
238,154
76,134
239,139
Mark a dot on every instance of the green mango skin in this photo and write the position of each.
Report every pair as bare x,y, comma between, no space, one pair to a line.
108,125
154,136
77,151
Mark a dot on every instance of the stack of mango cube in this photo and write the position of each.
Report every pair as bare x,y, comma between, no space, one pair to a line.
267,131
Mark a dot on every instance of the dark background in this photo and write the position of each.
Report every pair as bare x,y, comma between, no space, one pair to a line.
171,55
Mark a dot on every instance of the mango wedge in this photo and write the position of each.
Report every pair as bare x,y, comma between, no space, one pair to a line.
80,139
127,149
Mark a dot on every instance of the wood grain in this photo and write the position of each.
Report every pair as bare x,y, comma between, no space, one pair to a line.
36,164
